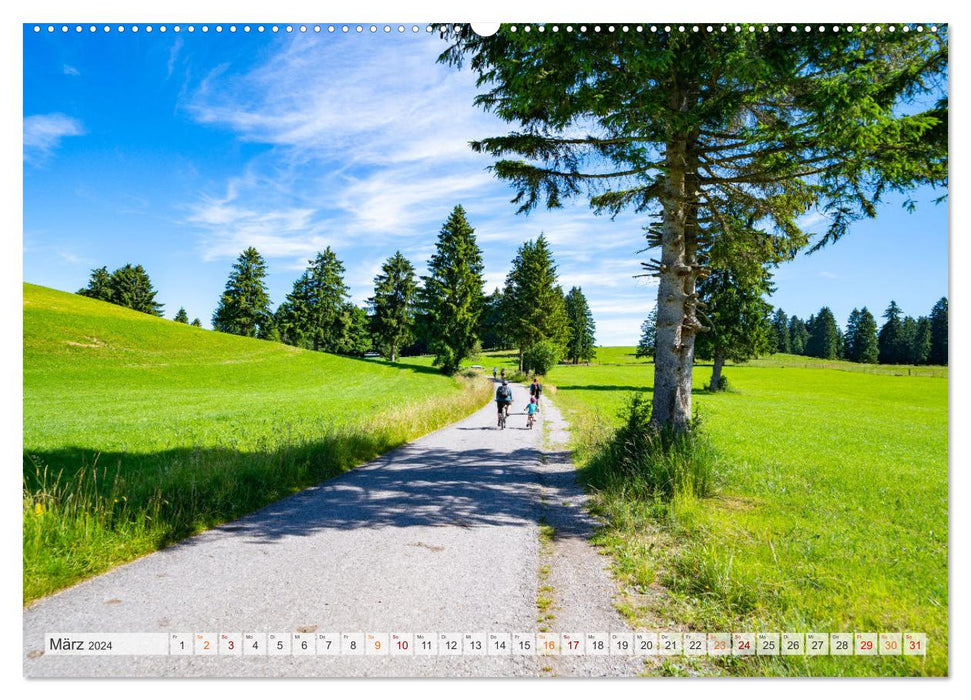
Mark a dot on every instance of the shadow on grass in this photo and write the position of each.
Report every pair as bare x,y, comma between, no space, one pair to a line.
185,490
421,369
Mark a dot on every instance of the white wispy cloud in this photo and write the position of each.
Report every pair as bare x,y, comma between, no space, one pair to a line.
812,221
71,70
43,134
368,152
173,55
231,227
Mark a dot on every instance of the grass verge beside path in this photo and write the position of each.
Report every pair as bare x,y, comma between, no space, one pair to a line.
139,431
831,514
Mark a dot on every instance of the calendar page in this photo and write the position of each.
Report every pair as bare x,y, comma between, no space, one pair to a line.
545,349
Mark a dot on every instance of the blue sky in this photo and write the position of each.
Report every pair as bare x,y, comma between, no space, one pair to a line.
178,150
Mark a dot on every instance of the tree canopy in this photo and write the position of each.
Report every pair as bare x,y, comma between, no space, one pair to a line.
534,308
691,128
391,305
451,295
583,329
127,286
314,314
244,307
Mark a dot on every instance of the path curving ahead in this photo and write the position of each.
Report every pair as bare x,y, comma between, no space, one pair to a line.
440,535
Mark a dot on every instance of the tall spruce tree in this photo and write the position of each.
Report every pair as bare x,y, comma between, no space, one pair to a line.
893,349
824,335
687,125
645,346
583,329
181,316
391,305
734,299
866,343
244,307
921,348
313,314
861,337
451,294
780,332
534,309
908,331
938,354
99,285
850,334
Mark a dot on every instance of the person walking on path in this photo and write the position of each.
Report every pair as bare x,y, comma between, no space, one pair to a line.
493,374
536,390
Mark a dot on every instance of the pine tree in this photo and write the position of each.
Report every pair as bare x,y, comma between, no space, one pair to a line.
824,336
686,126
938,354
849,337
645,346
738,315
313,314
181,316
131,287
780,332
861,337
908,332
580,346
451,294
99,285
244,308
391,305
798,335
921,349
535,308
866,344
197,323
892,348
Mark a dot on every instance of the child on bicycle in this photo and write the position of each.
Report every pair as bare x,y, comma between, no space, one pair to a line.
531,408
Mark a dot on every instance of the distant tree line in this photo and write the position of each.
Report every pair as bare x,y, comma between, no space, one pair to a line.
444,312
901,340
743,325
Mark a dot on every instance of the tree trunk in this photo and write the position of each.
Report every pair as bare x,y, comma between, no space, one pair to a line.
677,323
520,360
716,372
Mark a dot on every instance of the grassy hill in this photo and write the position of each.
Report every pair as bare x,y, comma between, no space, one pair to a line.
832,513
139,431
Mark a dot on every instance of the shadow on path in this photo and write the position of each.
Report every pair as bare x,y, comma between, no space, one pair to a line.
409,487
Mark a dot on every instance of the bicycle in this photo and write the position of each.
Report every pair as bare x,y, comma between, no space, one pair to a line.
530,419
503,412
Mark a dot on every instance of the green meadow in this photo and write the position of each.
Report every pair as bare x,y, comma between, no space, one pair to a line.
139,431
831,511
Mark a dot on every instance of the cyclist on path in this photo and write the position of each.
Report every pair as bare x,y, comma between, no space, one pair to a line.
503,398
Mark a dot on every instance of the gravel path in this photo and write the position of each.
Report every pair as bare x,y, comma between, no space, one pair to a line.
440,535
